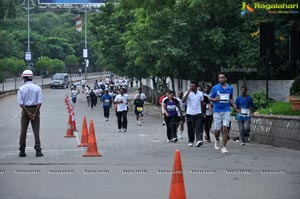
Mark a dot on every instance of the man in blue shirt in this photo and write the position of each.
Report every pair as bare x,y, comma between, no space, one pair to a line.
106,100
244,106
222,98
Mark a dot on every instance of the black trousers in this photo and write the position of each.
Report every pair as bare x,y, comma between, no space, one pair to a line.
207,121
106,111
194,127
35,124
172,124
122,119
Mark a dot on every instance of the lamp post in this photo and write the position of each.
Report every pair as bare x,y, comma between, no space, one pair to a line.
85,50
28,56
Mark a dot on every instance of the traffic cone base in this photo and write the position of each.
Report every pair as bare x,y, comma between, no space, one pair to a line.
92,154
82,145
70,133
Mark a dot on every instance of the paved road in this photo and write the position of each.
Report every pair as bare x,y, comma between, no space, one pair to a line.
136,164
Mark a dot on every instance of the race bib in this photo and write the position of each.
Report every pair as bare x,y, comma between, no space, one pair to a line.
139,109
106,101
224,98
171,107
245,112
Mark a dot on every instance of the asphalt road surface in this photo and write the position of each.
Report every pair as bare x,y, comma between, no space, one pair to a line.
137,164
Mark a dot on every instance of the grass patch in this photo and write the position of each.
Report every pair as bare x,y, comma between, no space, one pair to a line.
279,108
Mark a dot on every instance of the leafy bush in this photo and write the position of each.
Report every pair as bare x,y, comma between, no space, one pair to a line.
295,88
259,99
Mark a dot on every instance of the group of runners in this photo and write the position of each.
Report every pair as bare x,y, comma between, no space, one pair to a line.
200,108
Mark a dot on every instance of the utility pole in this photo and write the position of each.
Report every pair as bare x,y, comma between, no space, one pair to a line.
28,56
85,50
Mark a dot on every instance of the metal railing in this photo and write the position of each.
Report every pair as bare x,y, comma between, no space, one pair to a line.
12,84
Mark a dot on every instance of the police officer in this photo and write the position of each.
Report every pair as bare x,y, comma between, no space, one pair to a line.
30,100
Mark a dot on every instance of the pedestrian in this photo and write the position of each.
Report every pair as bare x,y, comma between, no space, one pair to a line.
194,100
207,122
222,97
139,106
83,82
30,100
87,94
93,98
122,100
170,106
74,94
106,100
244,107
182,119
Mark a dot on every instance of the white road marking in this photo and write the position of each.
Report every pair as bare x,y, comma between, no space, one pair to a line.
142,135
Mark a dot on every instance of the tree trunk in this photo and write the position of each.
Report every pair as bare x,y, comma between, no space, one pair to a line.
155,92
164,80
173,85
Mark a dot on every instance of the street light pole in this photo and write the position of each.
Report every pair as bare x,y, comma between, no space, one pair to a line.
28,53
85,50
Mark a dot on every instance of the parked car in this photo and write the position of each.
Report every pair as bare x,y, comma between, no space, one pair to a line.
60,80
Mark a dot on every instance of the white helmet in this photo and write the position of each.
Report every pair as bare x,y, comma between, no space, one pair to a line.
27,73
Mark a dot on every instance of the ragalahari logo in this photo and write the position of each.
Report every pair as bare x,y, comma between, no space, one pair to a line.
271,8
246,8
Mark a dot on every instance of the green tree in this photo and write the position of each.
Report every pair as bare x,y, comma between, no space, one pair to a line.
71,61
43,66
11,13
57,66
11,67
2,10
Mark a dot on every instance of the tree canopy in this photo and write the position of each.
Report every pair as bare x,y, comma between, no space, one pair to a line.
186,39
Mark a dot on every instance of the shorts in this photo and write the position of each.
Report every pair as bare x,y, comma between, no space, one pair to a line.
182,119
137,113
221,119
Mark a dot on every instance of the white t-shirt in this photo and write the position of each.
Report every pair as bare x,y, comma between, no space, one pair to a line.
143,96
193,103
124,99
208,111
182,107
74,93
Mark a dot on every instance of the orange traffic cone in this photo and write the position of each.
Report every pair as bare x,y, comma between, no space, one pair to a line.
177,190
73,121
84,134
68,107
70,129
66,100
92,150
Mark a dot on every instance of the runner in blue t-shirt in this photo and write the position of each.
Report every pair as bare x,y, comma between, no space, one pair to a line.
244,106
106,99
222,98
